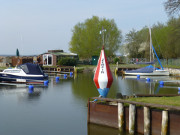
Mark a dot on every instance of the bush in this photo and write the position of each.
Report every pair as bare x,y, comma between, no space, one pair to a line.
116,60
67,62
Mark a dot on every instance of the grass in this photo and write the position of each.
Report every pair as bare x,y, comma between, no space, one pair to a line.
174,101
172,66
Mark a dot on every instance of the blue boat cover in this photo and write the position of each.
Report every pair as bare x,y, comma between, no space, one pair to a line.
147,69
30,68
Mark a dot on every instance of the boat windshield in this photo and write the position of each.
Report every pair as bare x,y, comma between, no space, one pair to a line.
30,68
25,68
12,71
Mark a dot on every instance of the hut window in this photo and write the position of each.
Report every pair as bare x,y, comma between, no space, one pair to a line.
47,60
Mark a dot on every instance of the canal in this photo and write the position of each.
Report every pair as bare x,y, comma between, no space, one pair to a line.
61,108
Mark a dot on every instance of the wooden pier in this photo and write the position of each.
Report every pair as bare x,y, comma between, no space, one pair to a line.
59,70
144,118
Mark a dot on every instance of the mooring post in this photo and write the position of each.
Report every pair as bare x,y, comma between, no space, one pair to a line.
164,127
146,121
132,114
121,116
88,114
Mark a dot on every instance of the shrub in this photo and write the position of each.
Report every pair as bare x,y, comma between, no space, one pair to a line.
116,60
67,62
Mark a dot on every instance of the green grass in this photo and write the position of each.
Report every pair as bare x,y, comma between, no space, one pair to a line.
174,101
172,66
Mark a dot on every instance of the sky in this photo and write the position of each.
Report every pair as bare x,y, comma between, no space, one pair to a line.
36,26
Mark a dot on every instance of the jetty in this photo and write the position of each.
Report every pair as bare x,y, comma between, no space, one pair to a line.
59,70
144,118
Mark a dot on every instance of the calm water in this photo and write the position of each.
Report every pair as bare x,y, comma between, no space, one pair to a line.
61,108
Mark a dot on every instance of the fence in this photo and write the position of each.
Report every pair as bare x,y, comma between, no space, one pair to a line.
175,62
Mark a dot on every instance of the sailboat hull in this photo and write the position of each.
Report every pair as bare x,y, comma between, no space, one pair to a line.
154,73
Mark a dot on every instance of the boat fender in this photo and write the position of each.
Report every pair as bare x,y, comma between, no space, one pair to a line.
31,88
161,83
71,73
148,79
65,76
57,78
45,83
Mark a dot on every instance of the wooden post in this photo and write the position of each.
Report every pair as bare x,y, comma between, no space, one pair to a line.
164,127
88,115
132,113
146,121
75,70
121,116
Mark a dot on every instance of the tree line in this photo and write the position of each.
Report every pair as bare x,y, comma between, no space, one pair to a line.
89,36
165,39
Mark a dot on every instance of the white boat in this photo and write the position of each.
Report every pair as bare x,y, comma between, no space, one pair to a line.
25,73
149,70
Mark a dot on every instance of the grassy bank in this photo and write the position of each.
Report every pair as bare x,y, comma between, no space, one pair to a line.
174,101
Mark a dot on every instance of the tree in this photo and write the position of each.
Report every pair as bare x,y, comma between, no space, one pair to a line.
132,45
174,37
137,43
167,39
172,6
17,52
87,41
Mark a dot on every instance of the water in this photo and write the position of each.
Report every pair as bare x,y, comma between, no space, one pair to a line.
61,108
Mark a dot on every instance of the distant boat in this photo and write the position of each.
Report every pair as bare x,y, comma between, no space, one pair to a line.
149,70
24,73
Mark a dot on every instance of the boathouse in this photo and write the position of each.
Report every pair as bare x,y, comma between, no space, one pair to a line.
25,59
5,61
52,56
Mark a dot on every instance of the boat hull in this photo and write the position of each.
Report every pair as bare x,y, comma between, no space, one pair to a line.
154,73
22,79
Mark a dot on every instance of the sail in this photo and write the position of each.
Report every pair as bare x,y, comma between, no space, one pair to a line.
147,69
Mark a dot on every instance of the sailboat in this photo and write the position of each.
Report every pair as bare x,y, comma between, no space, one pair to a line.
149,70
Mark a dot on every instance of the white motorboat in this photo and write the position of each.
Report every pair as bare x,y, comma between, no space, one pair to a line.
25,73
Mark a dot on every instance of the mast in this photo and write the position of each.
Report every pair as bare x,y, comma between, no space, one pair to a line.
152,50
150,46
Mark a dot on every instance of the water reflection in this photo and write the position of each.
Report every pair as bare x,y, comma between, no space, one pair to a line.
83,86
94,129
21,92
131,85
62,105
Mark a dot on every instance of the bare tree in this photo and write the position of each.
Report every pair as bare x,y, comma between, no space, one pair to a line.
172,6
